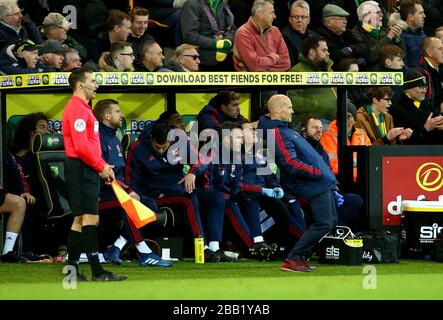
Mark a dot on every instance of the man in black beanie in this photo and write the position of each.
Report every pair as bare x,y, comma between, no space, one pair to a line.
413,111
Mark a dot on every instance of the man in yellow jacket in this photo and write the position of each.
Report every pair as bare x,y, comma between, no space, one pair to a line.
356,137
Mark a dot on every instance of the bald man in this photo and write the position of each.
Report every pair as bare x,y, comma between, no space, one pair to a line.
304,175
432,49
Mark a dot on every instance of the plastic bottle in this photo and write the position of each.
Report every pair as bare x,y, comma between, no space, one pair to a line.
199,249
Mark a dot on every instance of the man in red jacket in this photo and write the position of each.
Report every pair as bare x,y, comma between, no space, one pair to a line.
84,168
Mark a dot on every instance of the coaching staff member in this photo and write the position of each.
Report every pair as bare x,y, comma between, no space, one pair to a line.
84,168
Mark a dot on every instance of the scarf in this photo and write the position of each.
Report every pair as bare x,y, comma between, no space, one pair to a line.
374,32
379,121
210,13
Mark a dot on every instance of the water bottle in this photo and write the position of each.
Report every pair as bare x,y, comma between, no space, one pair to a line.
199,249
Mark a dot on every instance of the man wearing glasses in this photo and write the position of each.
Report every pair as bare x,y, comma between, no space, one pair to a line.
297,29
120,58
185,59
334,31
369,35
13,27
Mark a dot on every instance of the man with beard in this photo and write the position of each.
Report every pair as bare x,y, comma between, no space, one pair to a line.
348,208
322,101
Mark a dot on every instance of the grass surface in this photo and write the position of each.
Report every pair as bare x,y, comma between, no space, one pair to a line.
247,279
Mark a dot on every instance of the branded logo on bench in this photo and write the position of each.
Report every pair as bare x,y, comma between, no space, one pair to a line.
429,176
429,233
332,253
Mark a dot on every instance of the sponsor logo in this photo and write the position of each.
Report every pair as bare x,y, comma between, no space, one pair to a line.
367,256
7,82
150,79
125,78
80,125
138,78
429,176
332,253
60,79
429,233
33,80
349,78
99,78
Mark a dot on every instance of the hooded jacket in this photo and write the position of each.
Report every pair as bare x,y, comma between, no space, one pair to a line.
303,172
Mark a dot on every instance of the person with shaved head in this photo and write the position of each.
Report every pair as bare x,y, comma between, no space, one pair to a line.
304,175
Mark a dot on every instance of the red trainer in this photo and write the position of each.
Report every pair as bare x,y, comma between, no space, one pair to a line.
295,266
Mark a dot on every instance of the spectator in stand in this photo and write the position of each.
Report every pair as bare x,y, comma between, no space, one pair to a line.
333,30
297,29
118,28
356,137
71,60
51,55
56,27
165,12
16,207
375,120
413,14
210,26
19,58
434,13
151,55
259,46
120,58
322,101
391,60
413,111
432,52
369,35
14,27
439,33
139,31
355,93
185,59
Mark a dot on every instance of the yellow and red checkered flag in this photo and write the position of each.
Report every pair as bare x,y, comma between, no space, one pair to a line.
139,214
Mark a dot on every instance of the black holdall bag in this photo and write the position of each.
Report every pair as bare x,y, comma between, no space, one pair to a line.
340,246
380,246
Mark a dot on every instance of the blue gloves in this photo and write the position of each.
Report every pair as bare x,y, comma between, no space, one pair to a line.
279,192
268,193
338,198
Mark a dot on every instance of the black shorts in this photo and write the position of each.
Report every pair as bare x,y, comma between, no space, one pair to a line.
2,196
83,185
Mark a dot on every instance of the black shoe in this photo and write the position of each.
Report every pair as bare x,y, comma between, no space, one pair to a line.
263,251
34,258
109,276
224,257
211,256
81,277
11,257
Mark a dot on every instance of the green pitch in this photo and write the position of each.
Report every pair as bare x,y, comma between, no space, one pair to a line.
247,279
